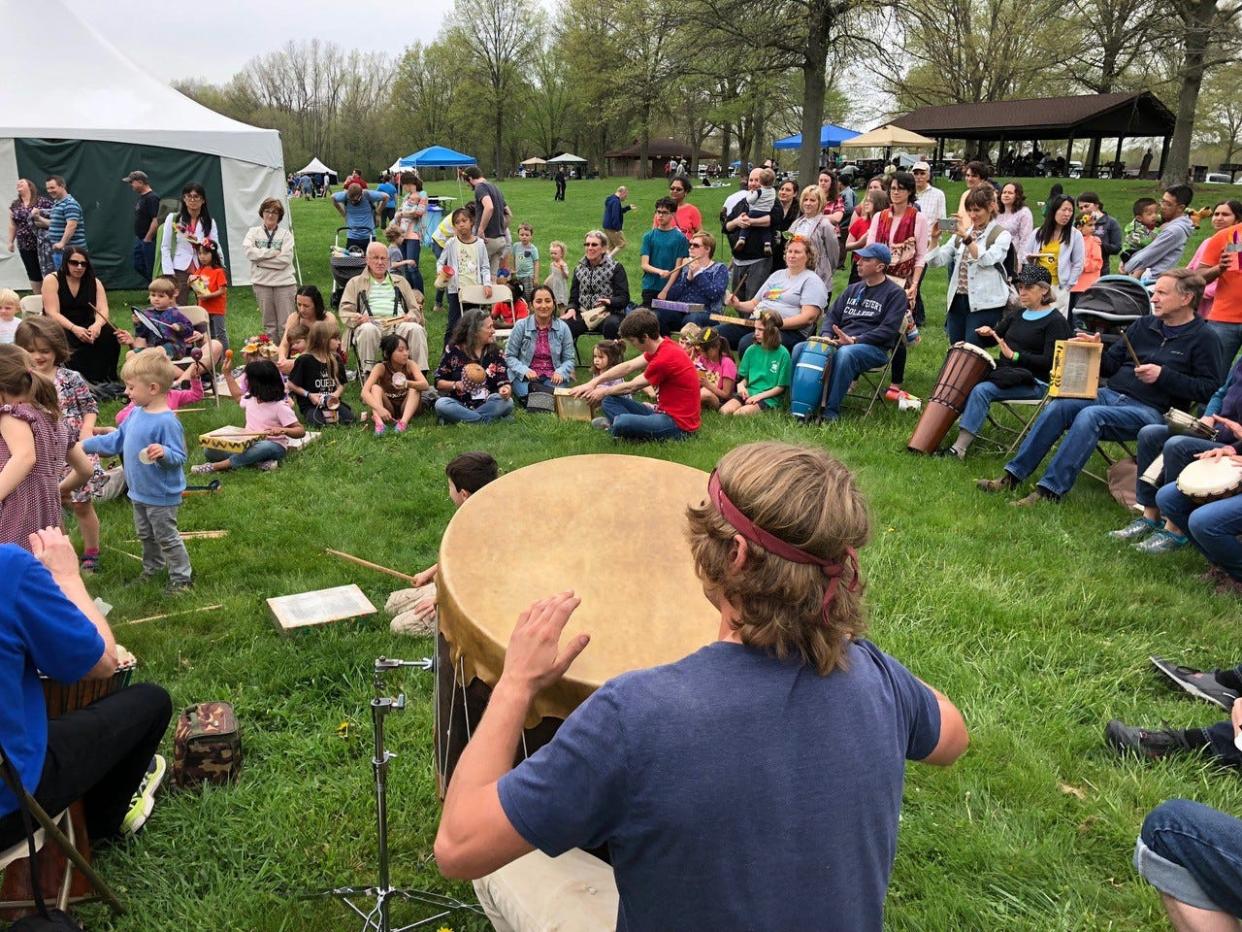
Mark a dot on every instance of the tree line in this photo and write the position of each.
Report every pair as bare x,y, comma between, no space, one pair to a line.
503,80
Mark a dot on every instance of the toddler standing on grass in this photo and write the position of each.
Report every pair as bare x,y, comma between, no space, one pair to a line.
558,275
10,305
34,446
152,446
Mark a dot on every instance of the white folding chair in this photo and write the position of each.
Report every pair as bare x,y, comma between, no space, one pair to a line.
32,306
472,296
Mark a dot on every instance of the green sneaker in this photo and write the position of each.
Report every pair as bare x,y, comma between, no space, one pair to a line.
144,797
1162,541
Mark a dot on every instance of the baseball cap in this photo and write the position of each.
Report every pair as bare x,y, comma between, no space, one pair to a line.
135,176
920,167
876,251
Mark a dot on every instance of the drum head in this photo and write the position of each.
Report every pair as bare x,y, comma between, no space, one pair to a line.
612,529
977,350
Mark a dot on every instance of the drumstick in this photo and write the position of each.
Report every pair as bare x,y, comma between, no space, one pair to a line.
188,611
187,410
101,317
369,565
132,556
1130,349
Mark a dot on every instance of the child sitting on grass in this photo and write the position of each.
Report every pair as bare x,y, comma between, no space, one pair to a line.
765,372
44,340
607,353
318,378
415,609
152,446
717,369
34,447
395,387
267,413
10,305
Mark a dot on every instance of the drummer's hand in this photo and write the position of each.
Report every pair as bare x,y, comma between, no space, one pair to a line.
557,378
425,608
535,659
842,337
985,331
426,576
1085,337
55,551
581,391
1216,453
1215,420
1147,373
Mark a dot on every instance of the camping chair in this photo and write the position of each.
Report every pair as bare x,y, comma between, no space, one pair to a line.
874,381
472,296
32,306
201,322
63,835
1011,419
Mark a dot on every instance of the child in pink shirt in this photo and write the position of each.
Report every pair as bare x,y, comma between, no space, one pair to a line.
269,417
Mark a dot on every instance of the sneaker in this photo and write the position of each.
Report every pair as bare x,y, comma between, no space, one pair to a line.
894,393
1003,484
179,586
1213,574
600,423
143,801
1229,586
950,451
148,574
1199,684
1136,529
1162,542
401,426
1037,497
1125,738
201,469
269,465
379,428
90,561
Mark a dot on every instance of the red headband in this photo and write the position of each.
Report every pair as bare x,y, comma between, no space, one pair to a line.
787,551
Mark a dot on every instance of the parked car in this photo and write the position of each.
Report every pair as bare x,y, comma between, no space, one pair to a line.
1217,178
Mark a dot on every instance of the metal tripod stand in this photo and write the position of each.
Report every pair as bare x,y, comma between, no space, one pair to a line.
376,918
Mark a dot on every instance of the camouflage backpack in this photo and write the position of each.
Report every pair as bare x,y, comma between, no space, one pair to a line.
207,745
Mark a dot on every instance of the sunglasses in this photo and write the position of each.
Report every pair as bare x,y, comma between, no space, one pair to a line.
696,245
589,244
79,263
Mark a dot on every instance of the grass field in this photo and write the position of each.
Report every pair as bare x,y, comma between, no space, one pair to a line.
1031,620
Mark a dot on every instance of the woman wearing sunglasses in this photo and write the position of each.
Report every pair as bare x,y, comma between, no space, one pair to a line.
76,299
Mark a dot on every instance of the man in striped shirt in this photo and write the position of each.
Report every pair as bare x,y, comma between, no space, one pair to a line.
65,223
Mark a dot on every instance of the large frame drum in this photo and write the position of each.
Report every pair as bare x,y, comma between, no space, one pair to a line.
613,531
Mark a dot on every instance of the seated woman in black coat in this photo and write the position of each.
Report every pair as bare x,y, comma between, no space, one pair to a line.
598,281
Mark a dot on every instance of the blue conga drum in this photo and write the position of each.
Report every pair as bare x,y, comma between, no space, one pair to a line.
806,395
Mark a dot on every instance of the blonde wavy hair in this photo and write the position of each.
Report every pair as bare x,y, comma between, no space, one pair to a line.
809,499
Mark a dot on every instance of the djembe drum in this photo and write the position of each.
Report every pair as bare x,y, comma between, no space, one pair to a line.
625,556
964,367
1207,481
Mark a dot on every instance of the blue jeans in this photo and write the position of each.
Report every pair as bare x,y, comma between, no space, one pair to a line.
412,249
454,315
1213,528
144,257
982,396
848,362
1192,853
253,455
521,386
58,256
1230,336
1084,422
452,411
961,322
631,420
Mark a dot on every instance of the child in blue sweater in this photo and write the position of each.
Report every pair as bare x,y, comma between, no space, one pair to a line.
152,447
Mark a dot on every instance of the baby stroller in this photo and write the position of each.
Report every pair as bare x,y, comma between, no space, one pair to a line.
1110,305
345,264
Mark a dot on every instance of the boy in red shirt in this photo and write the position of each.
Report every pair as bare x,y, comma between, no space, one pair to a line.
665,366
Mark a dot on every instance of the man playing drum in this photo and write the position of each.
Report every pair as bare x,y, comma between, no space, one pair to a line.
102,754
754,784
1179,365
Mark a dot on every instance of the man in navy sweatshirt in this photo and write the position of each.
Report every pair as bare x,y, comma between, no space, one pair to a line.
614,219
1180,364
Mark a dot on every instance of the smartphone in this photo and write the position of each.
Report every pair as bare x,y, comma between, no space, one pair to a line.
947,224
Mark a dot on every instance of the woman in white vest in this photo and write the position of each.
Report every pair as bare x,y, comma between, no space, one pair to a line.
183,230
270,251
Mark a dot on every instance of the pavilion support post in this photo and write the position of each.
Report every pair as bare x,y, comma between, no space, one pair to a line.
1069,155
1117,157
1093,158
1164,155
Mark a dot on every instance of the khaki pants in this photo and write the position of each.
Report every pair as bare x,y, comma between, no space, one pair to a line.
276,303
573,893
367,338
616,240
496,247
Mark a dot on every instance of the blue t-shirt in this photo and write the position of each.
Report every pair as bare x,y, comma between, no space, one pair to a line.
662,248
39,630
360,217
387,187
160,482
64,210
734,790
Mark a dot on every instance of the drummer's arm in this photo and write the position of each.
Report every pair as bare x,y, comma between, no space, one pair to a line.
55,551
475,835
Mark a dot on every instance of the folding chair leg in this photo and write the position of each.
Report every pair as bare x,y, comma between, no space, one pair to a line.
71,852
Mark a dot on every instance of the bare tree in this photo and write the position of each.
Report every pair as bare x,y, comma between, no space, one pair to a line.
499,35
550,102
1115,37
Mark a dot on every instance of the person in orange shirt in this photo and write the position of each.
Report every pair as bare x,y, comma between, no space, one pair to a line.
1092,258
1222,263
211,284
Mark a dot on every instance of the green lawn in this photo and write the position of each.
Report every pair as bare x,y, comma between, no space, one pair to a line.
1032,621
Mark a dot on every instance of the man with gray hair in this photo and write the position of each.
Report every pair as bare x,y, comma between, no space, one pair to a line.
375,303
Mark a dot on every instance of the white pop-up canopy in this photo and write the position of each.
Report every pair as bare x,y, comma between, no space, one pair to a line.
567,157
100,116
316,167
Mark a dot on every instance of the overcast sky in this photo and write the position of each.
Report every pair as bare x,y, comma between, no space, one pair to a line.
213,41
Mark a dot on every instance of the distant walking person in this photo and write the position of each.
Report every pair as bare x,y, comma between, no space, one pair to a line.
614,219
561,178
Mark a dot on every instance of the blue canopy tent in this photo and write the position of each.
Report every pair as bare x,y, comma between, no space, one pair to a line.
830,136
437,157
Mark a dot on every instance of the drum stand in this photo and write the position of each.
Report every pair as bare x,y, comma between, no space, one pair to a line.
376,919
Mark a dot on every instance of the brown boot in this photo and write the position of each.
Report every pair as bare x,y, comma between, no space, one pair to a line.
1003,484
1037,497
